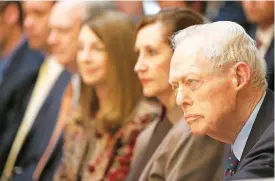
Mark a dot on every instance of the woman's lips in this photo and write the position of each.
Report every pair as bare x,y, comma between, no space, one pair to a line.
145,81
90,70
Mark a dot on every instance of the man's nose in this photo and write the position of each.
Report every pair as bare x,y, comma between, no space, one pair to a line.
183,98
52,38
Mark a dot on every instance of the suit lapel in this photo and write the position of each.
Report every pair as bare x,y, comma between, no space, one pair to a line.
270,52
269,57
263,120
57,89
19,70
8,79
252,32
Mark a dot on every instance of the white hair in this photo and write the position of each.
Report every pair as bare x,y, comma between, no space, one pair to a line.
77,8
224,42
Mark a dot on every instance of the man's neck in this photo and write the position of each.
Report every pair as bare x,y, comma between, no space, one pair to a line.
233,122
72,68
246,106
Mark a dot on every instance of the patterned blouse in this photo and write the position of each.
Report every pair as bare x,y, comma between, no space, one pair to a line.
103,157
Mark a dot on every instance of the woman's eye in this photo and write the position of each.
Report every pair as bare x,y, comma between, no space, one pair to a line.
98,48
175,87
137,52
152,52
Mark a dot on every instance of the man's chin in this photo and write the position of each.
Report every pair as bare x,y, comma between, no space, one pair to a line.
34,45
197,130
61,60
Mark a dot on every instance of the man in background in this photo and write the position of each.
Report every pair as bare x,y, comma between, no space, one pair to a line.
19,66
261,13
199,6
39,119
65,22
133,8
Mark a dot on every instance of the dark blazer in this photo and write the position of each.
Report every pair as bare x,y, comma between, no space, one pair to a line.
41,130
18,81
40,135
232,11
257,160
269,57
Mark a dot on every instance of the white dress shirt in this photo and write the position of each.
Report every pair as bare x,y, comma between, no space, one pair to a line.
265,37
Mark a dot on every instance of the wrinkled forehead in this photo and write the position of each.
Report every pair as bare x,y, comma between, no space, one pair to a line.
185,53
188,58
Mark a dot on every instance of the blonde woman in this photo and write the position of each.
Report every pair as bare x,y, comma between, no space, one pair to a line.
99,144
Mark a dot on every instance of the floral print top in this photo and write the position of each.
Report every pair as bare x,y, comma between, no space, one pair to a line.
90,156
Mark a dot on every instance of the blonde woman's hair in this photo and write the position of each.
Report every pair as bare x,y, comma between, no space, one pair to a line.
116,31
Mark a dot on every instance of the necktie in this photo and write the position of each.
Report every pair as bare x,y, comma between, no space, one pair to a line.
232,164
258,43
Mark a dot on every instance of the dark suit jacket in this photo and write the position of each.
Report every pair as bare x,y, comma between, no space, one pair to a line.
257,160
41,133
269,57
42,128
232,11
18,81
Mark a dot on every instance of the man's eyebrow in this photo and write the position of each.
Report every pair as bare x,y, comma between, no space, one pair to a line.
182,77
177,78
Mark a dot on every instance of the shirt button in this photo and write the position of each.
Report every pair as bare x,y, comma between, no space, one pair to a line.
18,170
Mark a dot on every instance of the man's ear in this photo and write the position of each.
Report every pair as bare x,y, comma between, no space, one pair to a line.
242,74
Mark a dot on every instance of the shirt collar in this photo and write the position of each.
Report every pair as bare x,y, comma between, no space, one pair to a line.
242,137
53,65
265,36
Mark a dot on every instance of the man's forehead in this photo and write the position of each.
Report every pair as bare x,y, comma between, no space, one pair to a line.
183,70
189,44
184,55
187,62
69,9
37,5
60,17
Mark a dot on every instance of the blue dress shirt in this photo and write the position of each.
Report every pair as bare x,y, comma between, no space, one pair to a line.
242,137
